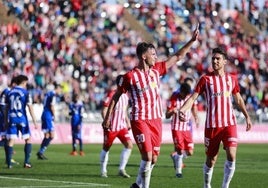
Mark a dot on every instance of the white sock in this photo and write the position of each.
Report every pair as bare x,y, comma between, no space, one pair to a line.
124,158
208,172
150,173
179,162
229,169
104,157
143,179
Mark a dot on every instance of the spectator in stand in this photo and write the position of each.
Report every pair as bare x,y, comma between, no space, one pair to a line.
264,100
220,125
52,44
120,126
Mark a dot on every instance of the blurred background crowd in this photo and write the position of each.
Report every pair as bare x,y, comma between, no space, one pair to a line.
84,44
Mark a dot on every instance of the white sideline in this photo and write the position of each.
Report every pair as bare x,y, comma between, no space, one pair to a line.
73,184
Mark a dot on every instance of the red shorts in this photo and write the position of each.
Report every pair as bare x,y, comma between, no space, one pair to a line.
109,136
148,135
183,140
214,136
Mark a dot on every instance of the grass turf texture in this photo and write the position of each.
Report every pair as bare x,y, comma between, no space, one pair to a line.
63,170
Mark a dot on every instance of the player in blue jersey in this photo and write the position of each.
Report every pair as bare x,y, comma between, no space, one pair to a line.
76,108
47,118
17,100
3,109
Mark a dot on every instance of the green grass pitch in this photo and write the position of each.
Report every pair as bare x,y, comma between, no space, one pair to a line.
63,170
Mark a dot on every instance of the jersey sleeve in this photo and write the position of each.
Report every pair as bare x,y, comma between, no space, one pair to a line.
108,98
161,68
124,83
200,86
172,102
236,88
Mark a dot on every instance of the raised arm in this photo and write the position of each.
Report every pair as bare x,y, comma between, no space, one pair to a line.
240,103
182,51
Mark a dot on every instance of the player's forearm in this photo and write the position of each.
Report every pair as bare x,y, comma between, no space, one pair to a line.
109,110
195,115
183,51
32,114
179,54
240,103
242,107
189,103
104,112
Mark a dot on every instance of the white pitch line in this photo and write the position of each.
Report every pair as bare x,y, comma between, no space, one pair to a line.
62,186
55,181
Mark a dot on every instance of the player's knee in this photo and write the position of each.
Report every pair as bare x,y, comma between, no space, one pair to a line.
129,145
190,153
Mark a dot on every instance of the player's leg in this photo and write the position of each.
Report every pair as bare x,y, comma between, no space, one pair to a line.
156,131
10,136
208,170
74,146
179,163
27,153
9,152
212,144
189,144
148,136
48,130
5,145
80,141
2,141
25,131
142,136
230,146
179,148
104,157
125,139
108,138
43,146
229,166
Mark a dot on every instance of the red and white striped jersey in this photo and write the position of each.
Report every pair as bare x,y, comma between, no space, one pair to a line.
176,103
218,92
143,89
118,117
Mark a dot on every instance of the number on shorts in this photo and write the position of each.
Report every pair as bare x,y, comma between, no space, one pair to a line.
140,138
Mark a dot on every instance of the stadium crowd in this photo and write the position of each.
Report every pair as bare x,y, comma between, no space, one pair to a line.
83,45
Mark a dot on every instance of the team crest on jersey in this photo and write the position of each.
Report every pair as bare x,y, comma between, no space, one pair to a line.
153,85
227,93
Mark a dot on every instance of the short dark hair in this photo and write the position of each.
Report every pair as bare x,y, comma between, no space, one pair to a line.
220,50
118,78
20,78
13,80
142,47
185,88
75,97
